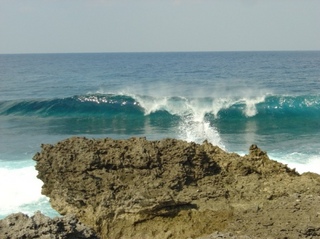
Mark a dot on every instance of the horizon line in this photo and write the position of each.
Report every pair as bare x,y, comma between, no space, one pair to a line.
153,52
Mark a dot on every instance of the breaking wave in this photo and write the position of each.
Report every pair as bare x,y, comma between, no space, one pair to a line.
109,104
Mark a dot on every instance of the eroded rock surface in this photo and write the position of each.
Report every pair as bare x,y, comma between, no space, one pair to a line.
21,226
137,188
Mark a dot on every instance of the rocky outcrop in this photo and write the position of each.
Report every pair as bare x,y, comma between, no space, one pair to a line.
170,188
21,226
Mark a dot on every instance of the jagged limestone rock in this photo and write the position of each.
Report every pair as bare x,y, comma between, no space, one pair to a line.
21,226
170,188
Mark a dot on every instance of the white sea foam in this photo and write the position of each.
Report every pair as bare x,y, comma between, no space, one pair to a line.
21,189
177,100
251,109
151,104
193,126
220,104
197,131
301,162
193,111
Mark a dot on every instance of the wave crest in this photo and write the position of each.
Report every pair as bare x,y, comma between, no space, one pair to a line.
108,104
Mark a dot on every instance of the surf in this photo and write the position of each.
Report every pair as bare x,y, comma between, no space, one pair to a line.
103,104
191,118
21,189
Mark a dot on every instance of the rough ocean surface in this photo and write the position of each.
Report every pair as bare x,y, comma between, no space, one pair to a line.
170,188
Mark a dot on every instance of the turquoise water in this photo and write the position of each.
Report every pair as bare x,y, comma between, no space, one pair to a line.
232,99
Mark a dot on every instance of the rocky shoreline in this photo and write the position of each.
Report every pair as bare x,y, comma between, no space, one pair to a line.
170,188
21,226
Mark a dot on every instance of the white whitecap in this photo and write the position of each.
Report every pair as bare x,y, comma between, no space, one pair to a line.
21,189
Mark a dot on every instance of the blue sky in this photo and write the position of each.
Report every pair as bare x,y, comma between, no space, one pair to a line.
52,26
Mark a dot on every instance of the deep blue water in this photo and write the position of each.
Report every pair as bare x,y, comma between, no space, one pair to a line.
232,99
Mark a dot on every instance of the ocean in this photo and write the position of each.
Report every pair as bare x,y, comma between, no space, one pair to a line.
231,99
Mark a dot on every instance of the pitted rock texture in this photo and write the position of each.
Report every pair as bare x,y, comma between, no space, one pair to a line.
21,226
170,188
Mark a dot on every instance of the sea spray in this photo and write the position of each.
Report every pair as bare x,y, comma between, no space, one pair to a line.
193,125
